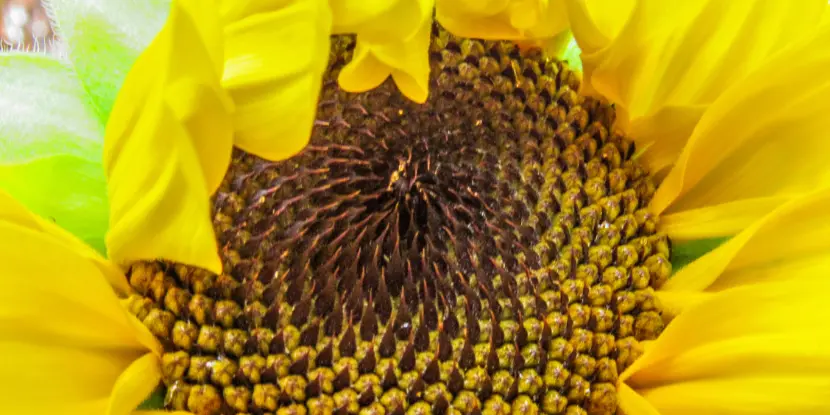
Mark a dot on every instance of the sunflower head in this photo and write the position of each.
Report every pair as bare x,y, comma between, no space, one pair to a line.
491,248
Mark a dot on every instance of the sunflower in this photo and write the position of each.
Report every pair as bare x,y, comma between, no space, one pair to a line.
472,236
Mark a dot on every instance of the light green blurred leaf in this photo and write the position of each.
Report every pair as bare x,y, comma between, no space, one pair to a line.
572,55
104,38
67,189
44,110
50,144
54,110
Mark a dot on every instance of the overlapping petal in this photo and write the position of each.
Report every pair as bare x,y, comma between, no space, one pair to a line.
503,19
394,42
596,23
275,56
743,337
788,244
754,349
760,144
13,212
71,347
379,21
664,63
168,144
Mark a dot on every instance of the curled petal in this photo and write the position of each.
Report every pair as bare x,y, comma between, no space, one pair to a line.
379,21
503,19
596,23
351,15
275,56
406,60
168,143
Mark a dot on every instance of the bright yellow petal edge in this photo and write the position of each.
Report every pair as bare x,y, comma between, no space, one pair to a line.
664,63
747,334
744,336
403,55
790,243
275,56
724,99
272,57
393,37
168,143
759,145
69,346
503,19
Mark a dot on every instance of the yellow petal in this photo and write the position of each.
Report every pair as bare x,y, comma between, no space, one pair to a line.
472,7
663,58
721,220
12,212
595,23
364,72
135,384
769,395
275,56
349,15
66,338
45,379
44,278
503,19
750,350
168,144
379,21
632,403
406,60
761,143
671,124
476,19
790,244
673,302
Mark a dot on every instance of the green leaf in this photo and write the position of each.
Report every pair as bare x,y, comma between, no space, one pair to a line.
685,252
154,401
51,144
67,189
45,110
54,111
104,38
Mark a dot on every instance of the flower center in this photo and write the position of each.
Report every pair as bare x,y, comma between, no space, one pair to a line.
488,250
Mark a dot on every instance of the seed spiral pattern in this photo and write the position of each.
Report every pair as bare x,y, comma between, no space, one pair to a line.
488,252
